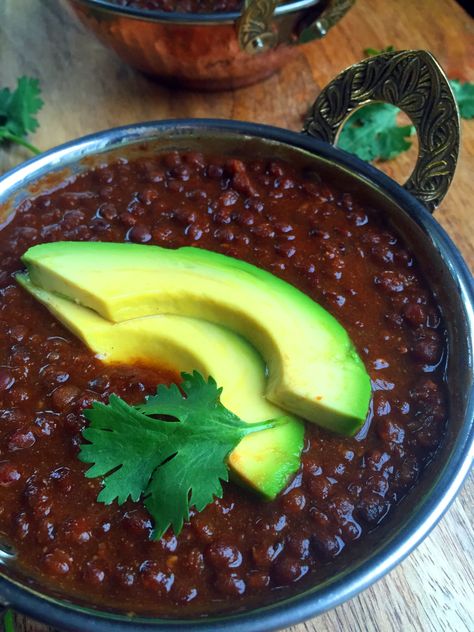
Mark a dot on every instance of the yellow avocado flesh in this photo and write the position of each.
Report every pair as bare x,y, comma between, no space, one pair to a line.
264,460
313,368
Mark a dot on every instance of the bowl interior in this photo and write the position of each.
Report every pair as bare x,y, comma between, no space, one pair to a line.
444,271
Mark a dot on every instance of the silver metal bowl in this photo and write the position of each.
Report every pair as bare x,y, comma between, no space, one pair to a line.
214,51
414,81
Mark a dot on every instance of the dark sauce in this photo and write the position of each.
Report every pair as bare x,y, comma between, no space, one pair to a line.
239,549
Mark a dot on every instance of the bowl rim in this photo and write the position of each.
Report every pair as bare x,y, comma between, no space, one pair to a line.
153,15
434,504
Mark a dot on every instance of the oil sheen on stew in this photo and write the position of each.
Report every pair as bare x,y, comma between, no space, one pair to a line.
240,549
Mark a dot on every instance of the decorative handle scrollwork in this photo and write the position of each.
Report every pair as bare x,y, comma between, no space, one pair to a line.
256,32
334,11
413,81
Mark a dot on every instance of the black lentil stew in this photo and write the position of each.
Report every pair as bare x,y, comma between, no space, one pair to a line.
239,548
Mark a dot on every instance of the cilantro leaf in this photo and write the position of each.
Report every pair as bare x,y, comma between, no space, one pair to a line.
464,93
123,444
370,52
17,112
169,398
198,467
8,621
171,465
372,132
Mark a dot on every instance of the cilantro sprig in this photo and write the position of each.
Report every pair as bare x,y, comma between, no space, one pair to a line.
464,93
17,112
374,133
370,52
170,452
8,621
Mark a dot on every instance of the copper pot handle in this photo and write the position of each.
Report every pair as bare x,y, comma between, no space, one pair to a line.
413,81
334,11
257,32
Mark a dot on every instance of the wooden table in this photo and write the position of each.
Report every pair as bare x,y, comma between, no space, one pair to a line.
87,89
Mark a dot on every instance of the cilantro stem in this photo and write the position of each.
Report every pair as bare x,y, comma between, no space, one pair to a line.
264,425
13,138
8,622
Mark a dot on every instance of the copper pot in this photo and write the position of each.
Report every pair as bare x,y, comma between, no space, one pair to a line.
214,51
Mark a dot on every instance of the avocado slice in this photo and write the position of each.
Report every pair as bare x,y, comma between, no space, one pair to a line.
263,461
313,368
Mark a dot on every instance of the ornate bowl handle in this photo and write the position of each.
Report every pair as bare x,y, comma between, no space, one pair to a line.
413,81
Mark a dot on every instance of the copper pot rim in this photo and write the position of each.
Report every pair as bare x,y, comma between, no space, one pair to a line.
150,15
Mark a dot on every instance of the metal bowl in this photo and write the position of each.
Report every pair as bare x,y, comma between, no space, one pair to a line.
215,51
414,81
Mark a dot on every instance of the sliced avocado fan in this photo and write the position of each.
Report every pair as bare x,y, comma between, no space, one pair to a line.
263,461
314,370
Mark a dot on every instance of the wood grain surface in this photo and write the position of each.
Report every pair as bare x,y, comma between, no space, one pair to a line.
86,88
